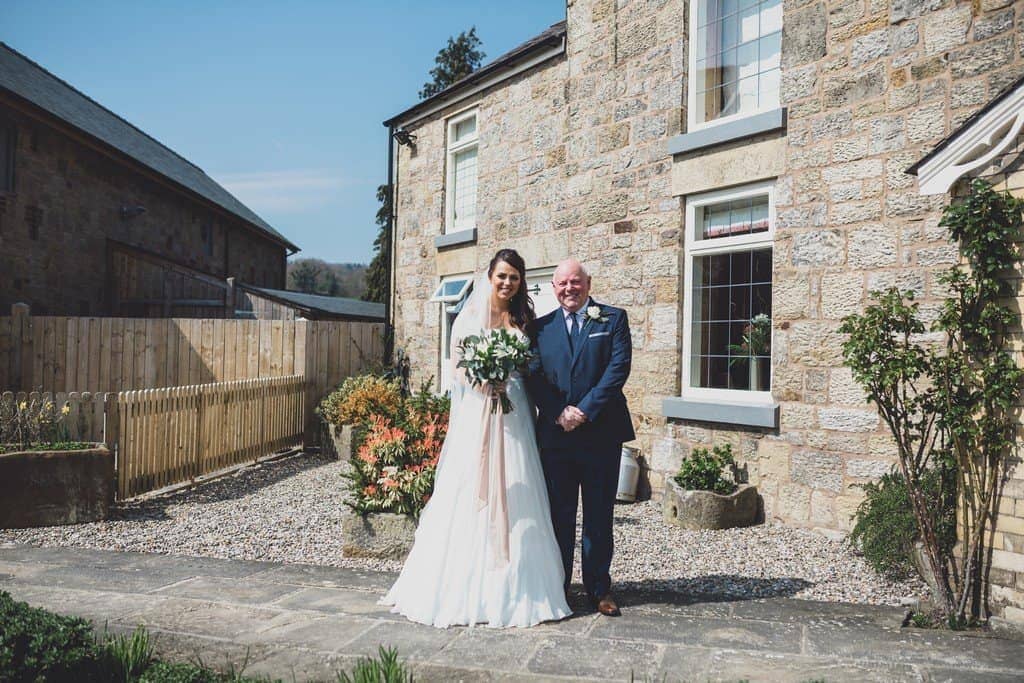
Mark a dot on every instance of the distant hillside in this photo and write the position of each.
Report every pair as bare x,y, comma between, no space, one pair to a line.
315,276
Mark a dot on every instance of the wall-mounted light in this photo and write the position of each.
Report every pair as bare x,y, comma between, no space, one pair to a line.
132,211
404,137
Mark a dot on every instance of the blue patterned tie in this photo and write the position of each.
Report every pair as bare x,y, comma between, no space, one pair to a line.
574,333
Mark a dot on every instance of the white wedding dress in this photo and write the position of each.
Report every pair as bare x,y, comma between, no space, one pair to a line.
455,573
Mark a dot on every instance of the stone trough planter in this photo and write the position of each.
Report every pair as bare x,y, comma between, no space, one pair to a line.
341,441
707,510
382,535
50,488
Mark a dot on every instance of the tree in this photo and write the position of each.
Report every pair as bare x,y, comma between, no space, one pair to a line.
951,405
377,272
459,58
312,276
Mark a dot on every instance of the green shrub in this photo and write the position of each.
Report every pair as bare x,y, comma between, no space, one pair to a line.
165,672
705,471
360,397
885,528
36,645
385,668
125,658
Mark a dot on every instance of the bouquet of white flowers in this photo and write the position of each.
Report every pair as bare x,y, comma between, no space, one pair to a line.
490,358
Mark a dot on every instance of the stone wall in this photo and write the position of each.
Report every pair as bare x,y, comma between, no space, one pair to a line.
66,205
869,87
571,160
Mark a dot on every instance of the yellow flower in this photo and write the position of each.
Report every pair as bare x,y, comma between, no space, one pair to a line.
65,410
23,405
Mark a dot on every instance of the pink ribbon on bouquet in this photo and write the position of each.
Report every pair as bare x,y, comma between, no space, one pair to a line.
492,492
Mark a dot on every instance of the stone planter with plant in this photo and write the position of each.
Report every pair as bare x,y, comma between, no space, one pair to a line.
702,496
46,479
391,475
345,410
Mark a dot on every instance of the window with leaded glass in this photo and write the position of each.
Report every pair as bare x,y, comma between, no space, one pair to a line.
728,293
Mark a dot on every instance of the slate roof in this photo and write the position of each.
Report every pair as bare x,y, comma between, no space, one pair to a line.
31,82
554,35
334,305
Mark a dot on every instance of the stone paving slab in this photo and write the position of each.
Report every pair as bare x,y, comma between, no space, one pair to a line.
298,622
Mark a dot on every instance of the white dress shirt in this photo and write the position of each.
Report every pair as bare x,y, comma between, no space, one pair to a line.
580,317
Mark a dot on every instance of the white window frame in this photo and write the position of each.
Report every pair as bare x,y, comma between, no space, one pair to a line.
453,148
691,97
440,297
693,248
447,303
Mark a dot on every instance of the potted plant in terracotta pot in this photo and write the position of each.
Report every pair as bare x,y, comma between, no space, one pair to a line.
703,495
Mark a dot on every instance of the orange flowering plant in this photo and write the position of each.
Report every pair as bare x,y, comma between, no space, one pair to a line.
394,466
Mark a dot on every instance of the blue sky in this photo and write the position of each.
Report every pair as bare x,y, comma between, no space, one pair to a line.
281,102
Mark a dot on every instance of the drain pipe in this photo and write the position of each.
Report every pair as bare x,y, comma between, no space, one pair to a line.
389,327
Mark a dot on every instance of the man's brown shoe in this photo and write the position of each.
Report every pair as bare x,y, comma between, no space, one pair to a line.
606,605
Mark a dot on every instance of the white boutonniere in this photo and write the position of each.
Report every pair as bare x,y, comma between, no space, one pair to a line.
594,314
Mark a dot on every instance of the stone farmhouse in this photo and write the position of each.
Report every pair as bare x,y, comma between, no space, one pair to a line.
734,173
98,218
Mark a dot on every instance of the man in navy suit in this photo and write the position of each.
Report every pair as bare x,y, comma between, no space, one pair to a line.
582,356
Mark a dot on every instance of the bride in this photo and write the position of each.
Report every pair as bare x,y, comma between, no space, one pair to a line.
485,551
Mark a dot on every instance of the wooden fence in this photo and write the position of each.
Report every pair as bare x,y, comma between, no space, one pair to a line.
173,435
162,437
67,354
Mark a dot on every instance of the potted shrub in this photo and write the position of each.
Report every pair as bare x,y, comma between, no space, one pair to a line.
45,478
351,405
701,496
392,476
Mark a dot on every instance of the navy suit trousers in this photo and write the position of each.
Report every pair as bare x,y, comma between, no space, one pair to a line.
595,472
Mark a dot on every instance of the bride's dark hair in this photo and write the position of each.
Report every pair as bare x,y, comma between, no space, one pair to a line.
521,306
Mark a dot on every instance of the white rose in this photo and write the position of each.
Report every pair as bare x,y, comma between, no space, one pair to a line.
594,312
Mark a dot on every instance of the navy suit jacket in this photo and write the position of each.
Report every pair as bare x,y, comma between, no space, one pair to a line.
590,379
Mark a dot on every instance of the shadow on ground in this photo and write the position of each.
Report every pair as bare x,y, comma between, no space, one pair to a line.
694,591
251,479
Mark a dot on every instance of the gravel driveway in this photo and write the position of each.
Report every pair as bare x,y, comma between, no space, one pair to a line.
290,510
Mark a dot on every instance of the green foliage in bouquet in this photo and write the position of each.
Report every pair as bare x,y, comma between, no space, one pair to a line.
705,471
491,358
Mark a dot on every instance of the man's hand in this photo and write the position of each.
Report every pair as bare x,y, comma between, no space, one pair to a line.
571,418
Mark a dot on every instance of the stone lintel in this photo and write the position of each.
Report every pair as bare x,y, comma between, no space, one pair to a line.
745,414
456,261
736,165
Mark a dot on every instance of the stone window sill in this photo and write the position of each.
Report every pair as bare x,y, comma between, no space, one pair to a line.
454,239
765,122
745,414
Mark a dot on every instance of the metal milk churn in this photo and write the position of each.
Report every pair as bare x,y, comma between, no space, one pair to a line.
629,474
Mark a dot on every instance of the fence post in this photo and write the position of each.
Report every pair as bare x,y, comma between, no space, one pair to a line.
230,305
112,430
20,327
198,466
